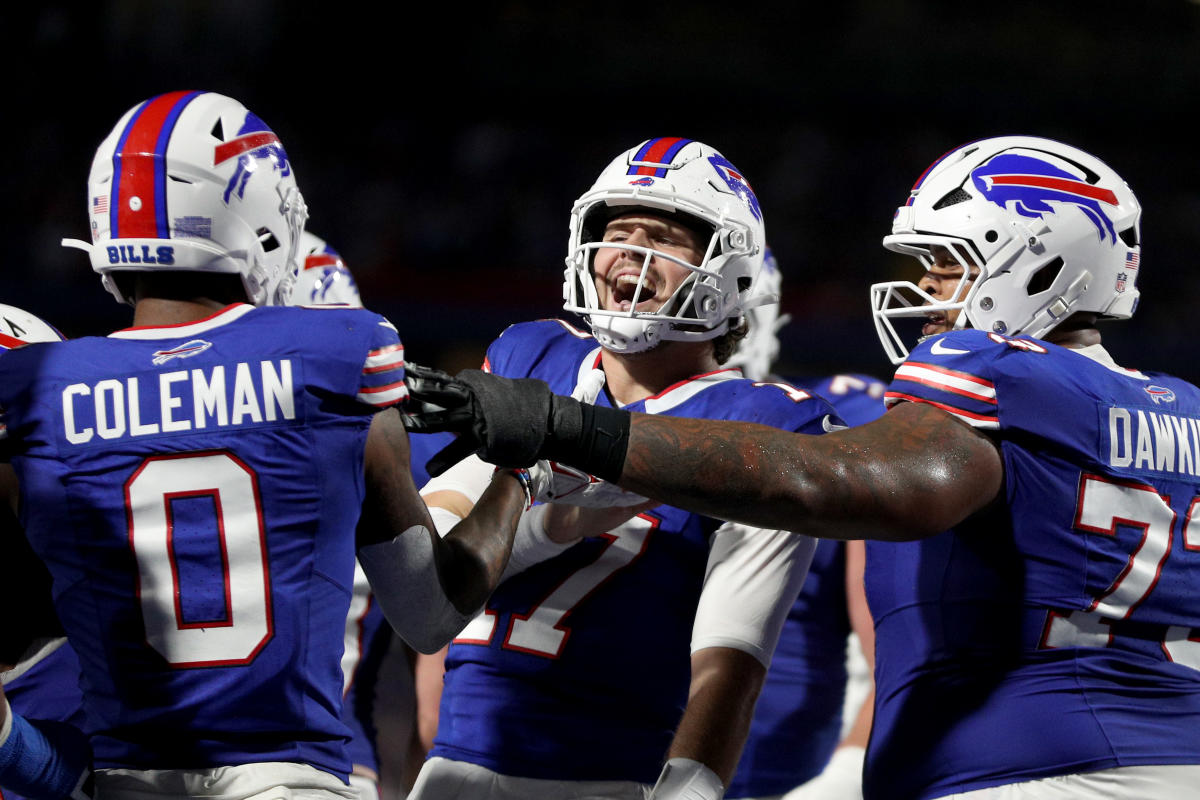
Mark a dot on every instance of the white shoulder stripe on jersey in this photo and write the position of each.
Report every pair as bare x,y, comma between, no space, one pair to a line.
948,380
384,359
983,421
383,396
686,390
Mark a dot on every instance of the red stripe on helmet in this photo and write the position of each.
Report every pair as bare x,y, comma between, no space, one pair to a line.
242,144
656,152
1061,184
321,260
138,157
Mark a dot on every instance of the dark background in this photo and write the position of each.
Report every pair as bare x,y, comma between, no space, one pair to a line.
440,146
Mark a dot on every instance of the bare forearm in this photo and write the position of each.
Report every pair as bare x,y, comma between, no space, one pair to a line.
725,686
473,555
913,473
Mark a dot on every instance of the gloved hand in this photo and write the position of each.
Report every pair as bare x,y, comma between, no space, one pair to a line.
504,420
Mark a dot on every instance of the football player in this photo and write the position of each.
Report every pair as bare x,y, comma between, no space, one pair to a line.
41,708
812,719
194,483
1037,626
665,613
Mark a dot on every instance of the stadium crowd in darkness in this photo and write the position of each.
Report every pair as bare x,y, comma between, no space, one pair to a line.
437,159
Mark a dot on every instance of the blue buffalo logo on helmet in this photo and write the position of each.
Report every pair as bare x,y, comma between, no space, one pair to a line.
736,182
1029,184
254,141
644,181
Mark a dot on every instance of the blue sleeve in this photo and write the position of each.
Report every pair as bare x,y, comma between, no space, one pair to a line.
954,373
44,760
381,383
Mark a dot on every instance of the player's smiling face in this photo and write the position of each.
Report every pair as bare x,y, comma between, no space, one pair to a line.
617,270
943,281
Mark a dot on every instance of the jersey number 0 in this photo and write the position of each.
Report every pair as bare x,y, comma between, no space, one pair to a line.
205,592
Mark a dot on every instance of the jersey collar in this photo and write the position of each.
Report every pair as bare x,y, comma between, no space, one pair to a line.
223,317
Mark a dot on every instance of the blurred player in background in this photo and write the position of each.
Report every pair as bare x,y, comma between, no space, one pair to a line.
817,700
323,277
1040,638
612,638
193,483
39,672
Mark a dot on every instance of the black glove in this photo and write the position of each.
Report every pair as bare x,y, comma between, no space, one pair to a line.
436,402
502,419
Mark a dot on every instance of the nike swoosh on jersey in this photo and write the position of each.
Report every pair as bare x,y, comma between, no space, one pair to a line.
940,349
830,426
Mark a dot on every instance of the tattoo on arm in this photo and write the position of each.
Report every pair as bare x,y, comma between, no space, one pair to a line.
914,472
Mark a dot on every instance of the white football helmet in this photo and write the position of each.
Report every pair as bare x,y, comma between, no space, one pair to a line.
669,176
324,279
194,181
16,323
1052,229
756,353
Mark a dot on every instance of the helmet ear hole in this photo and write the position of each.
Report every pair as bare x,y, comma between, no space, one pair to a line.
268,240
954,197
1044,278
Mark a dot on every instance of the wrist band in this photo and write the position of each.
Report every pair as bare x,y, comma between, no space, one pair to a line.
521,475
592,438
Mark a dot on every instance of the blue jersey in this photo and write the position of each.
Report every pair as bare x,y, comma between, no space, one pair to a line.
578,668
1057,631
194,490
798,719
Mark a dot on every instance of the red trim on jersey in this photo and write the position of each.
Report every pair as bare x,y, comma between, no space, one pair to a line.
686,381
384,367
184,324
954,373
912,398
944,387
243,144
391,348
376,389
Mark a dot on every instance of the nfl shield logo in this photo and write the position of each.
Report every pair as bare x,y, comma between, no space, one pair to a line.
1121,278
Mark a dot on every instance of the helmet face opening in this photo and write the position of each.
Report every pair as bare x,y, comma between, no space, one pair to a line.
687,183
1052,229
194,181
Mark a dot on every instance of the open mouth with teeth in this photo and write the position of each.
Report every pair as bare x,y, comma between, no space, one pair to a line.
625,287
936,324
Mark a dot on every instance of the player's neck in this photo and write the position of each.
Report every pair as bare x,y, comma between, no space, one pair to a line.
156,312
636,376
1078,330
